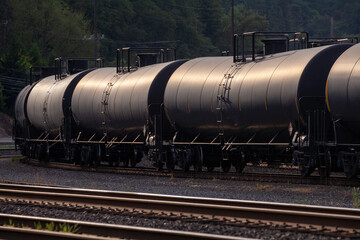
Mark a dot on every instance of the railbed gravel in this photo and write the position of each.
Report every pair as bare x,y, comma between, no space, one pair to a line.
339,196
112,217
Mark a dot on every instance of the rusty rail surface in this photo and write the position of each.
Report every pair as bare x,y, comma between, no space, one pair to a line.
88,230
290,213
8,151
263,177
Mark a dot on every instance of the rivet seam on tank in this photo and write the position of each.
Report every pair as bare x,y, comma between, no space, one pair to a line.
296,104
297,109
327,95
266,108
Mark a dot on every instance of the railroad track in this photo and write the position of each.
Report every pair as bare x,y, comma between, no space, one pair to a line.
7,151
256,176
311,219
87,230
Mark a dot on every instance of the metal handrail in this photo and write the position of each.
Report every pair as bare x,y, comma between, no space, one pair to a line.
254,34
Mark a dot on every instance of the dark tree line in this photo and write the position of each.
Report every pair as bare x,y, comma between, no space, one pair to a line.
34,32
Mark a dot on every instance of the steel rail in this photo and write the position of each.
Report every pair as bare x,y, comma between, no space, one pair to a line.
14,233
290,213
185,199
8,152
264,177
94,230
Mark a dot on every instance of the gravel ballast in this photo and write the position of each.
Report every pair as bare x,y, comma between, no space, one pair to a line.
135,219
13,170
339,196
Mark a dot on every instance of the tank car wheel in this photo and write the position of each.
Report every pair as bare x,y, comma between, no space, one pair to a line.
198,167
324,168
68,154
350,164
225,166
351,175
23,149
45,153
35,154
126,161
185,161
136,158
158,159
133,161
38,152
84,155
98,154
306,169
239,164
305,164
32,150
160,165
170,164
198,159
76,155
210,168
116,163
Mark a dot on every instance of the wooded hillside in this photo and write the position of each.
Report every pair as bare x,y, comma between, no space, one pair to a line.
34,32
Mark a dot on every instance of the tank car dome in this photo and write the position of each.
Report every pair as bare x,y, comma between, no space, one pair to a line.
20,105
343,88
120,103
48,100
268,93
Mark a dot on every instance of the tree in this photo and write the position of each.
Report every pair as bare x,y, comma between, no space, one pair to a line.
2,99
311,16
49,27
244,21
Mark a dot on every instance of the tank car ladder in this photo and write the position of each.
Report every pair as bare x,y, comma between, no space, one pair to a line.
222,99
45,104
105,107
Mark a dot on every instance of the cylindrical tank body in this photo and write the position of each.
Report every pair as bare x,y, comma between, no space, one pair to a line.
20,106
263,96
343,88
104,101
48,99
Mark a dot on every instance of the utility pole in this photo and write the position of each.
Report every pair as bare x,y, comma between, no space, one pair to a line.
5,27
331,26
232,27
95,30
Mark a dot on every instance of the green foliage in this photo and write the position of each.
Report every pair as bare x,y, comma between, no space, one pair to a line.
60,227
51,227
245,21
198,26
12,224
2,100
36,31
65,227
356,197
309,15
14,62
33,32
47,28
38,226
40,30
